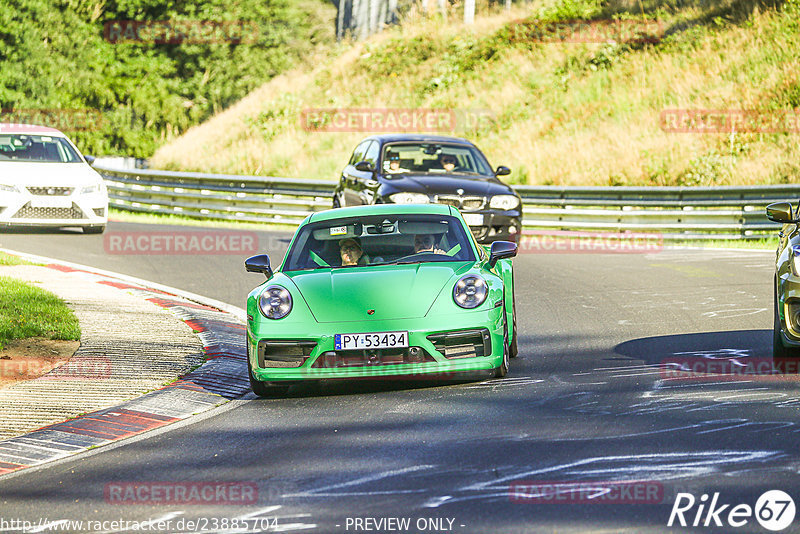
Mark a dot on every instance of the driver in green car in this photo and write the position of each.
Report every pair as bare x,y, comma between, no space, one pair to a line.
426,243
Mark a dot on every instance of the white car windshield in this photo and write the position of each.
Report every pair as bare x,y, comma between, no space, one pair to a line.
39,148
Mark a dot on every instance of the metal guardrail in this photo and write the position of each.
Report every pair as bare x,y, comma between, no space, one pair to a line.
729,212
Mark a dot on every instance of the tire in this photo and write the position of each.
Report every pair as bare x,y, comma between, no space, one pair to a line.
94,229
779,351
500,372
262,389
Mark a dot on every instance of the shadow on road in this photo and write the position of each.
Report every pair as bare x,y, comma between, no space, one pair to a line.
727,352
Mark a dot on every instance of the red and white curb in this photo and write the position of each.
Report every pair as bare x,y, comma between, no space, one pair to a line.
221,378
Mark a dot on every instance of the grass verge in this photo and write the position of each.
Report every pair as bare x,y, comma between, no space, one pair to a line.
28,311
8,260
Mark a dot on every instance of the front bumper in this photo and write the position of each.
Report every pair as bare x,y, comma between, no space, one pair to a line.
437,365
497,225
75,209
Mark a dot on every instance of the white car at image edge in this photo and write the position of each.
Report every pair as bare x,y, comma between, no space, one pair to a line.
45,181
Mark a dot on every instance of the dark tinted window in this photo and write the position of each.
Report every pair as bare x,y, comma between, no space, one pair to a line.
372,153
359,152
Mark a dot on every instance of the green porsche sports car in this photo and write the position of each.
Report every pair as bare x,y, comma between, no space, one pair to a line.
382,291
786,328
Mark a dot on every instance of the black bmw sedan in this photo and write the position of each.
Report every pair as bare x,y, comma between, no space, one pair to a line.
406,169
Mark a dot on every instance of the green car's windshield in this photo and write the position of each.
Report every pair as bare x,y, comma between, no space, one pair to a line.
379,240
39,148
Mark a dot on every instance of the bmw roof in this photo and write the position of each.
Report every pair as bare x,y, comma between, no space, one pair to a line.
422,138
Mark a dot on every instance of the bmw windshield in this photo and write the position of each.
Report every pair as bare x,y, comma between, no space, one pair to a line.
379,240
434,158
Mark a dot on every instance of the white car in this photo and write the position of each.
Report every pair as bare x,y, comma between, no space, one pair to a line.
45,181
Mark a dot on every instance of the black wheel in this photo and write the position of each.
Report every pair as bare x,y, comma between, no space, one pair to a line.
94,229
262,389
779,351
500,372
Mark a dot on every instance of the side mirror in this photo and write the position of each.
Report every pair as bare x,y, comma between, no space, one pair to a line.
258,264
500,250
89,159
780,212
502,171
365,166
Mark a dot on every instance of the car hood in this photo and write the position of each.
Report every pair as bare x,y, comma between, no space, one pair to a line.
393,291
482,186
47,174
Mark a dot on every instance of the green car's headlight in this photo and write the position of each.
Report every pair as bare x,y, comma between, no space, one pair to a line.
470,291
504,202
275,302
409,198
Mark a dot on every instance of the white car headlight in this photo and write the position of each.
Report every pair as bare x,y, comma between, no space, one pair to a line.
275,302
409,198
504,202
9,188
470,291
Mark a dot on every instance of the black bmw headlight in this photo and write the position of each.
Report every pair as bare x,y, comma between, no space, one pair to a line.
275,302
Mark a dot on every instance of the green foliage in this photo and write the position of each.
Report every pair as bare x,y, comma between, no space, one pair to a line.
27,311
705,170
564,10
279,116
53,56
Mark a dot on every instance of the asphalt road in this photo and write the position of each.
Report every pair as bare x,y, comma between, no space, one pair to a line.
589,401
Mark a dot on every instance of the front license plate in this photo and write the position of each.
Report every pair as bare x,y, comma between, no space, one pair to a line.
371,340
473,219
51,202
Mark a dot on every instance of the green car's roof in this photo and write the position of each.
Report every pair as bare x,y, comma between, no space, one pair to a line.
379,209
